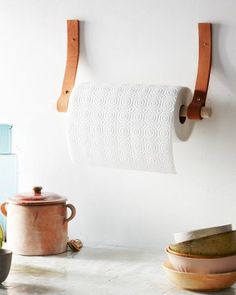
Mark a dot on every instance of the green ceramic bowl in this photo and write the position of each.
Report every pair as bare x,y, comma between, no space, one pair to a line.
219,245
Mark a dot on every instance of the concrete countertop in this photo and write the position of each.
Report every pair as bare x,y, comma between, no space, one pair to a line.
99,271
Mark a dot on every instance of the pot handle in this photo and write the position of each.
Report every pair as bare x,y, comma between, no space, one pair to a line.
3,208
73,212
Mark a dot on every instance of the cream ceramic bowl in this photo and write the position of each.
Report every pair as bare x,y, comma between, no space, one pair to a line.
199,282
200,264
200,233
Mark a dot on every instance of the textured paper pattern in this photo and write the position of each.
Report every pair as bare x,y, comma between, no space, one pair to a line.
124,126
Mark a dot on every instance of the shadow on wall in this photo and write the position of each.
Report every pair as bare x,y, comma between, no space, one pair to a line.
82,42
213,139
86,59
224,58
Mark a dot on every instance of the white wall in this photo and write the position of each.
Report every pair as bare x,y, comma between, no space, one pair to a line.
144,41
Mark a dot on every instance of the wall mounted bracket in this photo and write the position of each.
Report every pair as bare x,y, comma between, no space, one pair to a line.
71,64
195,111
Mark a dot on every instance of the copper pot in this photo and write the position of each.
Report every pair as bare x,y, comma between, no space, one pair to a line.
37,223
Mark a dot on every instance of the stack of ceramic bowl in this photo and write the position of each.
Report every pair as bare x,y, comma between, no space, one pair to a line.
204,259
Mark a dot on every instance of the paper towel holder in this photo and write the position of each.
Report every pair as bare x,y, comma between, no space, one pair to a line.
196,109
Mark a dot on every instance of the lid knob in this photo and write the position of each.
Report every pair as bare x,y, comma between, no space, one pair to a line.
37,190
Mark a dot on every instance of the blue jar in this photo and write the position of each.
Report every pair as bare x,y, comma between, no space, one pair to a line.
8,181
5,139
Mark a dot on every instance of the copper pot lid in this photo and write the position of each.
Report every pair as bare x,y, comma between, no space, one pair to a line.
37,198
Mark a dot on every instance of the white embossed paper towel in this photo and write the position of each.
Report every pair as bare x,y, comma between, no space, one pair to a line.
126,126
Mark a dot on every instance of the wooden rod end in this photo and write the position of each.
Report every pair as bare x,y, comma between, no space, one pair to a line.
205,112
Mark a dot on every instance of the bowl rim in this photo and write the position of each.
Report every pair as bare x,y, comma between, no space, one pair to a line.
5,252
203,232
168,250
172,269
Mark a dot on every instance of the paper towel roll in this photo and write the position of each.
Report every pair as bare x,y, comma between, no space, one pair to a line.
126,126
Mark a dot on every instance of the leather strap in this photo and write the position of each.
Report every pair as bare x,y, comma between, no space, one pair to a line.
71,64
204,69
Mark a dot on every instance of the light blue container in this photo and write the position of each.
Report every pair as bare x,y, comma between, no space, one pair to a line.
5,139
8,181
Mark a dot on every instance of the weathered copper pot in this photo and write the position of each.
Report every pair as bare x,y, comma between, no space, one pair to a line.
37,223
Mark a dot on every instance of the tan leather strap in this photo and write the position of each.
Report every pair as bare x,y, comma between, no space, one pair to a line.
71,64
204,69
